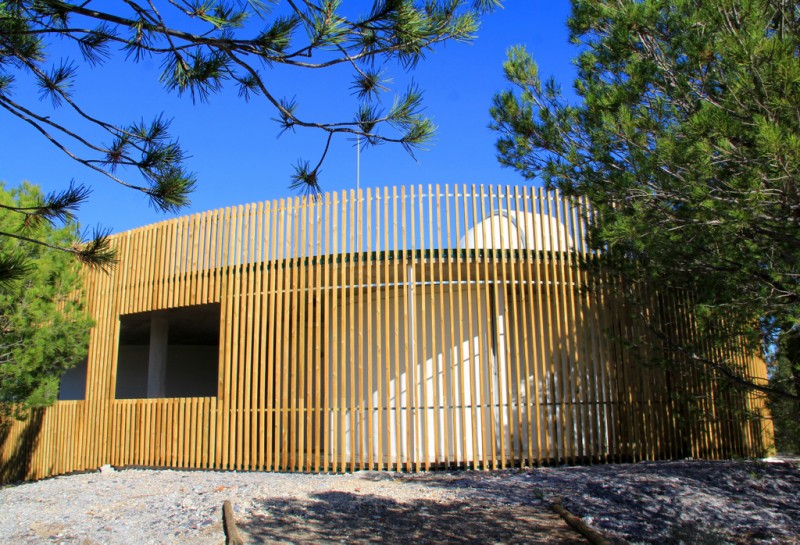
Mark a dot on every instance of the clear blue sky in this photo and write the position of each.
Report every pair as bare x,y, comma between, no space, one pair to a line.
235,149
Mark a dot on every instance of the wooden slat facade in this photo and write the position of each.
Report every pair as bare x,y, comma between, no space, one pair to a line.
397,329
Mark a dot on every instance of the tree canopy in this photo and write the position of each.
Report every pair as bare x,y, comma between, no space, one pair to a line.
44,329
203,46
685,139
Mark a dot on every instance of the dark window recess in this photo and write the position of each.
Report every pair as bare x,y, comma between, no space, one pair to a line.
73,383
169,353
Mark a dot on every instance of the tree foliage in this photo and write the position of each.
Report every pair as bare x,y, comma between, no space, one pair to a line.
44,329
785,375
203,46
685,138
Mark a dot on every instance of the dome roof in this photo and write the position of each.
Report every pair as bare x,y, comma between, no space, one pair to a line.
518,230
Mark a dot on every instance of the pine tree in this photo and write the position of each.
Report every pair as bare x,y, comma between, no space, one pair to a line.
44,329
685,139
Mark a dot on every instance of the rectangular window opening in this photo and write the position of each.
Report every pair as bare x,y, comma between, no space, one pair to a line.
169,353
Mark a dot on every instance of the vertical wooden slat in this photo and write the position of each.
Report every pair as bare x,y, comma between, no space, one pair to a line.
336,392
366,286
342,347
198,251
199,427
567,330
225,349
358,389
204,259
576,334
246,333
480,300
283,350
254,334
509,304
433,259
240,319
292,361
519,382
320,357
592,394
440,383
187,426
381,291
181,276
450,361
174,254
490,277
312,359
386,295
463,355
558,371
354,349
472,353
259,360
409,336
421,330
544,297
529,304
275,272
300,360
217,244
414,363
236,347
176,268
400,450
309,334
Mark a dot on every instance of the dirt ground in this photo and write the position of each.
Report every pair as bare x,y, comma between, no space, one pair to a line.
691,502
337,517
345,517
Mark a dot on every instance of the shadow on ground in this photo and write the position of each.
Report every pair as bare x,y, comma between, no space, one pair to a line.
696,502
346,517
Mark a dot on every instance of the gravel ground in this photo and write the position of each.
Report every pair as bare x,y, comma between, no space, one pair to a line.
662,502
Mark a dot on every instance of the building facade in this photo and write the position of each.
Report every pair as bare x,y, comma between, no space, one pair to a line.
400,329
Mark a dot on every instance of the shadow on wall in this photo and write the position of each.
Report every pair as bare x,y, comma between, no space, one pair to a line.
480,385
17,466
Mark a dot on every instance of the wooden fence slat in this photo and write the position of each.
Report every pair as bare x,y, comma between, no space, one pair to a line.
392,433
358,390
335,376
449,362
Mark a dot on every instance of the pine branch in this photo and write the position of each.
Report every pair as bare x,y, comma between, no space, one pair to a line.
214,49
96,253
13,267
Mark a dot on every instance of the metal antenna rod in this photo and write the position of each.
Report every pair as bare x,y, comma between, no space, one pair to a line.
358,186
